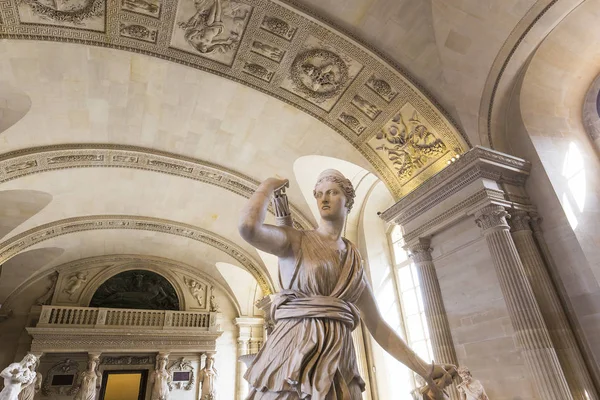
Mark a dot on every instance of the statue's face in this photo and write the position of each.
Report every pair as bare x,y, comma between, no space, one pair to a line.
162,363
209,363
464,375
331,201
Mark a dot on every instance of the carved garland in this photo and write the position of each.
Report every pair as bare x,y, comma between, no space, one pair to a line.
21,163
31,237
179,366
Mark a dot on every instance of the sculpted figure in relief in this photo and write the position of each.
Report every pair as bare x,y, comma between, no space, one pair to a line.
17,376
208,378
325,293
469,388
89,380
161,379
196,289
29,390
75,282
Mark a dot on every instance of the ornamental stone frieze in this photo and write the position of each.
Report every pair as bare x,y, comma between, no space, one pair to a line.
277,49
22,163
17,244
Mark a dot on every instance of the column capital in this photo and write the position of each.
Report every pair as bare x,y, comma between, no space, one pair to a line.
519,221
536,222
492,217
94,355
420,249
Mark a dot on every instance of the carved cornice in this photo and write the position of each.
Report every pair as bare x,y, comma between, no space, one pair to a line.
477,163
270,38
491,218
20,163
68,340
16,244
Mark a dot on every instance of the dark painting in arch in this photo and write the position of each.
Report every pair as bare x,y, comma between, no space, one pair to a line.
137,289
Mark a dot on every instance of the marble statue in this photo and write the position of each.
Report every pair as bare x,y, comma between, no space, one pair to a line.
89,380
208,378
161,379
29,390
75,282
17,376
325,293
469,388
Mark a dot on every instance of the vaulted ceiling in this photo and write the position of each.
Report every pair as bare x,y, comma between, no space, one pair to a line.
165,115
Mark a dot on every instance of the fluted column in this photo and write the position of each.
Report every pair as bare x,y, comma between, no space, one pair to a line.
567,350
433,304
527,321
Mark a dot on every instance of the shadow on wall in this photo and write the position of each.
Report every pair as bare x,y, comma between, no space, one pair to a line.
17,206
14,104
20,268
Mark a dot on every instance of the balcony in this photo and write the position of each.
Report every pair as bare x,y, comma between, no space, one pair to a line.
112,329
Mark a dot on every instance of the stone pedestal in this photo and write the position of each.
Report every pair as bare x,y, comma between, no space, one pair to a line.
433,304
530,330
567,350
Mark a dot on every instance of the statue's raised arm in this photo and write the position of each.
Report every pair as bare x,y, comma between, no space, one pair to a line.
310,354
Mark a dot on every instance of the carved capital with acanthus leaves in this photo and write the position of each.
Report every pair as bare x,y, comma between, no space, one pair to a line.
492,217
519,221
420,250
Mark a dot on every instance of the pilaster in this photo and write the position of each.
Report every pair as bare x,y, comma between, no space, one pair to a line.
528,324
561,334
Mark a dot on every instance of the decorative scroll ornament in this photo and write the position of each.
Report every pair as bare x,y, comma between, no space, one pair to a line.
65,367
319,74
519,221
492,216
182,365
413,145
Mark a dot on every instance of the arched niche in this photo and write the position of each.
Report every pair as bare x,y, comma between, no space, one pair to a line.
136,289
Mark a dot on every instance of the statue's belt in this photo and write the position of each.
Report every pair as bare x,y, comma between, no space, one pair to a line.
290,304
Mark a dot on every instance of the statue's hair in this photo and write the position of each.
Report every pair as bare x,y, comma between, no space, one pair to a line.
332,175
29,358
463,370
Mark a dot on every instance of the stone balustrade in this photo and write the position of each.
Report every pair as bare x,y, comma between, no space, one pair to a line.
64,316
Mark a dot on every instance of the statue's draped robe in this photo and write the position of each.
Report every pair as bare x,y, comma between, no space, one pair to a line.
87,390
310,354
160,385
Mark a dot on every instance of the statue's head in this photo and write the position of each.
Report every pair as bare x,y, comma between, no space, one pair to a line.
161,361
29,360
464,373
334,193
93,363
210,362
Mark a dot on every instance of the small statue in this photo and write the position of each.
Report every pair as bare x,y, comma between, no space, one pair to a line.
89,380
214,307
196,289
161,379
47,296
208,378
17,376
470,389
29,391
75,282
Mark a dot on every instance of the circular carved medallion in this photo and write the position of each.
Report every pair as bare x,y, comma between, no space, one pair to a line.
319,74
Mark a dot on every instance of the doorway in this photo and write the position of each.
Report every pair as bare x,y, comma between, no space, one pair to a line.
124,385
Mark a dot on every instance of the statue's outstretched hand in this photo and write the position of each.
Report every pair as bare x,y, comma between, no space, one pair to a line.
440,376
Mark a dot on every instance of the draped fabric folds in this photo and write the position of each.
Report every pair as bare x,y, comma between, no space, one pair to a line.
310,354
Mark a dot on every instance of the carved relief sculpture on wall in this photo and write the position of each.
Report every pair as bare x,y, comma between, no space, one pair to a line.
182,375
145,7
210,28
128,360
83,14
320,73
46,298
68,369
75,283
213,306
198,291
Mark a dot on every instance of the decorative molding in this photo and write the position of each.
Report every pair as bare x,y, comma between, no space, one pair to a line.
492,217
172,31
65,367
182,365
128,360
55,340
477,163
420,251
20,163
16,244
